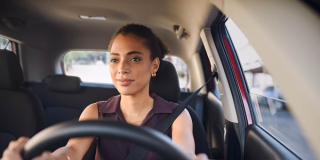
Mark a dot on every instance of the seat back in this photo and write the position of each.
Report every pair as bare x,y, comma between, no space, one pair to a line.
61,109
21,112
64,98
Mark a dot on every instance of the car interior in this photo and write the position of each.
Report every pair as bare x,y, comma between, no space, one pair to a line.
36,93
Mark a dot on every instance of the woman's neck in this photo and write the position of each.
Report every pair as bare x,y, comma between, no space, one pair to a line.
136,104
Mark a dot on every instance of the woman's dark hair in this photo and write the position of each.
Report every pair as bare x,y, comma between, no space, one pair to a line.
152,42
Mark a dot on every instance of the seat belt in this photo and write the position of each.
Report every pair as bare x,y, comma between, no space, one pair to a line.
138,153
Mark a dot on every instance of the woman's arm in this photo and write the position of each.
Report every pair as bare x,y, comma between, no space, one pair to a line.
80,146
182,133
76,147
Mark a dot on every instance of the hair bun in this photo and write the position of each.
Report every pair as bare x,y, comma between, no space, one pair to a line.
164,49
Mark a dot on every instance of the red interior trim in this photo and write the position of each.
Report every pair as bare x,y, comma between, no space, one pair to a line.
209,72
239,80
13,47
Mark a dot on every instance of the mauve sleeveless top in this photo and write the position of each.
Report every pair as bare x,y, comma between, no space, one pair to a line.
109,149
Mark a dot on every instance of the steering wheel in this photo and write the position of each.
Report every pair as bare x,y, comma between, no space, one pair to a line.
143,136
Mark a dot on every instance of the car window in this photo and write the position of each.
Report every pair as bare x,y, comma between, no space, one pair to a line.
3,43
9,47
271,109
92,66
182,71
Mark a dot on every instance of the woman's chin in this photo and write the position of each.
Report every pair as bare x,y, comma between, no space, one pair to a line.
126,91
130,90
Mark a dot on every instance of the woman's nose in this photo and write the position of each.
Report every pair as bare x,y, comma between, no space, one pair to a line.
123,68
123,71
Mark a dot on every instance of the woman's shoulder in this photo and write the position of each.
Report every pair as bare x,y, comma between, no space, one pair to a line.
92,111
108,100
108,105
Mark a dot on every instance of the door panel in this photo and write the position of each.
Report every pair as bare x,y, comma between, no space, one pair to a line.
259,145
214,125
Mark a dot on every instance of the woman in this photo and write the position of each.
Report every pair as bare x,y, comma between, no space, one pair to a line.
135,56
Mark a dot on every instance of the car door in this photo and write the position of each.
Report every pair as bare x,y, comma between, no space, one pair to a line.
264,127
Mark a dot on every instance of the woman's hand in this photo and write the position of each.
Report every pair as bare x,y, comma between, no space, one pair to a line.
13,152
201,156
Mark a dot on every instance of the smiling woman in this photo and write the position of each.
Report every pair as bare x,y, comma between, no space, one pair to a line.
131,64
136,54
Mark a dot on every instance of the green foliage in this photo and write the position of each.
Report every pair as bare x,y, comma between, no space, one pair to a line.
3,42
181,74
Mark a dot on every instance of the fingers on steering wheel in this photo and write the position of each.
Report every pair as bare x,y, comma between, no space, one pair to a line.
14,149
201,156
18,144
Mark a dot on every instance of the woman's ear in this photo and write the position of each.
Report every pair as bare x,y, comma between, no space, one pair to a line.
155,65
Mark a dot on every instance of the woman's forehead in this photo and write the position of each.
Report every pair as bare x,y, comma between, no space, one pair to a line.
127,43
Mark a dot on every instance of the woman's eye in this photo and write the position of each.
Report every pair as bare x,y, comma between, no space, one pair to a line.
135,59
113,60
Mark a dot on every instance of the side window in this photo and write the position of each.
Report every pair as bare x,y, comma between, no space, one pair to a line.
4,43
9,47
272,111
7,44
182,71
90,66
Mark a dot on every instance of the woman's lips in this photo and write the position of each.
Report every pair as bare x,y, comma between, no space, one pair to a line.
124,82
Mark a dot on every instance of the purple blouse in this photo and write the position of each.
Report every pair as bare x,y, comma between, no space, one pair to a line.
109,149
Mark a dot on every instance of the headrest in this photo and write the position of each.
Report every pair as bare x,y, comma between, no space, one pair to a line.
10,71
166,82
63,83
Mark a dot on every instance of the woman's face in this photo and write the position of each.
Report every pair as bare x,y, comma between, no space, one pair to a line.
130,64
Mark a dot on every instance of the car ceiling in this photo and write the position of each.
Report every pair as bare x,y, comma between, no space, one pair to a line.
55,26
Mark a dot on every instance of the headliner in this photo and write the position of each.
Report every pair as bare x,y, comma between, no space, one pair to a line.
55,26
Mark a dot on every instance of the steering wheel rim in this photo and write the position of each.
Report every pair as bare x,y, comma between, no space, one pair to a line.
144,136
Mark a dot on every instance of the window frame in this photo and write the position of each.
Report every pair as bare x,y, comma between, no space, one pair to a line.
241,72
237,130
253,112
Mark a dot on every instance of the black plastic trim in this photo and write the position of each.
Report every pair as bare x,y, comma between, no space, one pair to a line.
260,145
243,78
218,31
